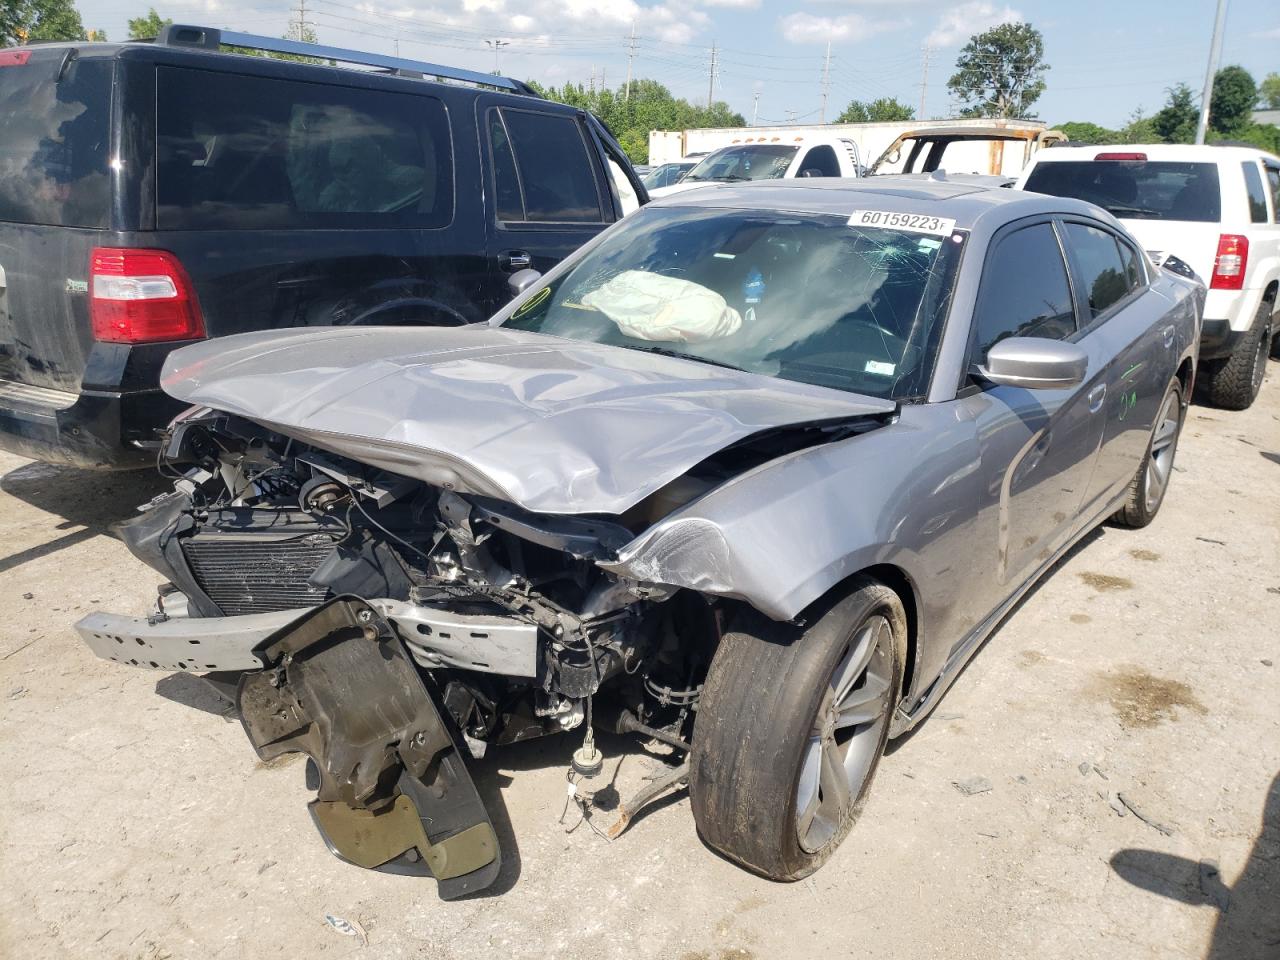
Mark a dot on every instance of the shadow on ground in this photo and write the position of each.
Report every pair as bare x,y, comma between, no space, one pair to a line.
1248,926
87,501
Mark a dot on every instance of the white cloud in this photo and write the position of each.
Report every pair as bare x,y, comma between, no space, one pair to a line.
735,4
807,28
962,22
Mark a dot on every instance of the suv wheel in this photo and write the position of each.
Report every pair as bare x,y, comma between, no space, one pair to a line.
1149,484
1233,383
791,727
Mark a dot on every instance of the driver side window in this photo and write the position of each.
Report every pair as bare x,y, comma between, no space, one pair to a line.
1024,292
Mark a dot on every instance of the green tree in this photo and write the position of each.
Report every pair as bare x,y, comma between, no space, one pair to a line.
883,110
1234,94
27,20
1175,122
1269,92
650,106
1139,129
148,27
1000,73
1085,132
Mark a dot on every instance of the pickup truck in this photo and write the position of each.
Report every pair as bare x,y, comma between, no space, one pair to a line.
772,158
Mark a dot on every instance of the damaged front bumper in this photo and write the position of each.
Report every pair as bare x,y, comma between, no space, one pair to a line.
434,637
335,682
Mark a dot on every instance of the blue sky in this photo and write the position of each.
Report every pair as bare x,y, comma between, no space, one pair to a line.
1107,58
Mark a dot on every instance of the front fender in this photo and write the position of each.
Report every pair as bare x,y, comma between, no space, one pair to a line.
783,534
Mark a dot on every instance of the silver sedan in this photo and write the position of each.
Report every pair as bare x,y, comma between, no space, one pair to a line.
753,473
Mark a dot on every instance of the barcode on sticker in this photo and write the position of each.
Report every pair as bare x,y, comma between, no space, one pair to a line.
911,222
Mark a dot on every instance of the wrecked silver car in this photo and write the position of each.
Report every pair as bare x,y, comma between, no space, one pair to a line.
751,475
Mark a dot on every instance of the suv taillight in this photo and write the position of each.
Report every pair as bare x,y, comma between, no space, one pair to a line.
141,296
1228,266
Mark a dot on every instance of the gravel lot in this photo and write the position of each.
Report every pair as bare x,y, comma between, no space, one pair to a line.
1126,717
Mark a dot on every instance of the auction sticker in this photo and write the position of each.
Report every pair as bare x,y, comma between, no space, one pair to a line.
911,222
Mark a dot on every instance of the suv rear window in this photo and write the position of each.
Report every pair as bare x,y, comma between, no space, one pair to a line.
240,152
1135,189
55,140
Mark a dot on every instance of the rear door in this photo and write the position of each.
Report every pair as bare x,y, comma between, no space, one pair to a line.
294,203
1126,328
55,201
547,193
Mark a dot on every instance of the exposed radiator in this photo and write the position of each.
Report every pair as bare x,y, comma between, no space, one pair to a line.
256,571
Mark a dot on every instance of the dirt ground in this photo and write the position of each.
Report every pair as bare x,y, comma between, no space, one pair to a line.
1126,719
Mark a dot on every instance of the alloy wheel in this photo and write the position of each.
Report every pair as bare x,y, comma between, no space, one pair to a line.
843,743
1164,444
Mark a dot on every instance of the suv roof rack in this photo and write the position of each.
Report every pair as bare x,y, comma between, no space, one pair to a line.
212,38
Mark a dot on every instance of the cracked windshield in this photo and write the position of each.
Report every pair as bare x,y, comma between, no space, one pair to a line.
799,297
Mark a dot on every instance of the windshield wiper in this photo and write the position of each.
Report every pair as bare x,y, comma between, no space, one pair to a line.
1138,211
732,177
668,352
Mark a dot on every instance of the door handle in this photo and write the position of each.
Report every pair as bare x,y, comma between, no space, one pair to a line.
1168,333
513,260
1096,396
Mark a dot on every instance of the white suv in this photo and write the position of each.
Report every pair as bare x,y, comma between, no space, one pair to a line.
1215,207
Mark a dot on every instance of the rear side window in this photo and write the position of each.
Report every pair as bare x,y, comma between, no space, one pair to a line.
1135,189
1273,181
239,152
1105,280
54,140
542,170
1257,193
1025,292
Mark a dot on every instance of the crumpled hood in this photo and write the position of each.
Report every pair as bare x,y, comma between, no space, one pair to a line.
552,425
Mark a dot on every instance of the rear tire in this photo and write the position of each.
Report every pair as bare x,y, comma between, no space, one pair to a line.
1233,383
1151,482
791,727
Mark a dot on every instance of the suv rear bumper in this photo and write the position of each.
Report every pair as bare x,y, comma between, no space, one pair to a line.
91,429
1218,340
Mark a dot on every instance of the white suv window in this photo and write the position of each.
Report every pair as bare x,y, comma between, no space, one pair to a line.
1273,181
1135,189
1256,192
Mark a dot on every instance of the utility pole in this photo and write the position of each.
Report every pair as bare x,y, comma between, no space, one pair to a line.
631,55
924,79
1215,53
298,28
496,46
826,82
711,82
755,108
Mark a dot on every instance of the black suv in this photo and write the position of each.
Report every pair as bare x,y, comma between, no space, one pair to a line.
152,194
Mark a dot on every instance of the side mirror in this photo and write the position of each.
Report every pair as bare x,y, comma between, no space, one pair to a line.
812,172
1035,364
522,280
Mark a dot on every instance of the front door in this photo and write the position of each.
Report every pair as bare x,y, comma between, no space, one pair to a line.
1037,447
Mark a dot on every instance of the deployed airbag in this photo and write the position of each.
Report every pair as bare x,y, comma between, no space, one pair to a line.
649,306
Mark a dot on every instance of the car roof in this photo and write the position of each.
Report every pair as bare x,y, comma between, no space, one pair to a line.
1185,152
349,73
967,203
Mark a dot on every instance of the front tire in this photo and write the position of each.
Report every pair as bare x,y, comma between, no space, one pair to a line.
791,727
1151,482
1233,383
